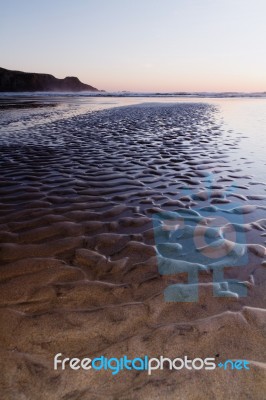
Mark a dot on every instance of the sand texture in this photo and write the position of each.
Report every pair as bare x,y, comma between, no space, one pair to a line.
79,269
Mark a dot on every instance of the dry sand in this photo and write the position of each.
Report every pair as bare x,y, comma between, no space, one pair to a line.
79,273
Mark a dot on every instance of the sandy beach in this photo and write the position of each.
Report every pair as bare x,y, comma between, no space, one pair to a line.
79,264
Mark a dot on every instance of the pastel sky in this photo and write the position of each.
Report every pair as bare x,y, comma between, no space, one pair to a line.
139,45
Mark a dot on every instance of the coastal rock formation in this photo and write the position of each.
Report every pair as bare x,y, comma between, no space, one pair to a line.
18,81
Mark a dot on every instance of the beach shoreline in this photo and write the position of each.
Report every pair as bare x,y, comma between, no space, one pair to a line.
79,268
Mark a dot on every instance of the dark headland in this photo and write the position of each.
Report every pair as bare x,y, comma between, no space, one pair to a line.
18,81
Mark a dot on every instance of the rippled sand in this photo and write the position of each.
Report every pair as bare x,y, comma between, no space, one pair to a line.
79,272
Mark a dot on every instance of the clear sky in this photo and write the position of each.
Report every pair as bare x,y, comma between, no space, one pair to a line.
139,45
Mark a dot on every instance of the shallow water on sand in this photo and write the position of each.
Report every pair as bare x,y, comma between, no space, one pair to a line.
81,182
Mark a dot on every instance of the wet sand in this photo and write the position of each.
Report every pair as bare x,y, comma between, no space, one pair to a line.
79,271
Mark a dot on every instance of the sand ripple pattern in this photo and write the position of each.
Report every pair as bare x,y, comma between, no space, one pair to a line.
79,271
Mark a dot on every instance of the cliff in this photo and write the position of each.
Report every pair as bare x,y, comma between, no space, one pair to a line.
18,81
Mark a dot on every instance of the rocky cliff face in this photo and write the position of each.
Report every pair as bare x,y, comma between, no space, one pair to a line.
17,81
